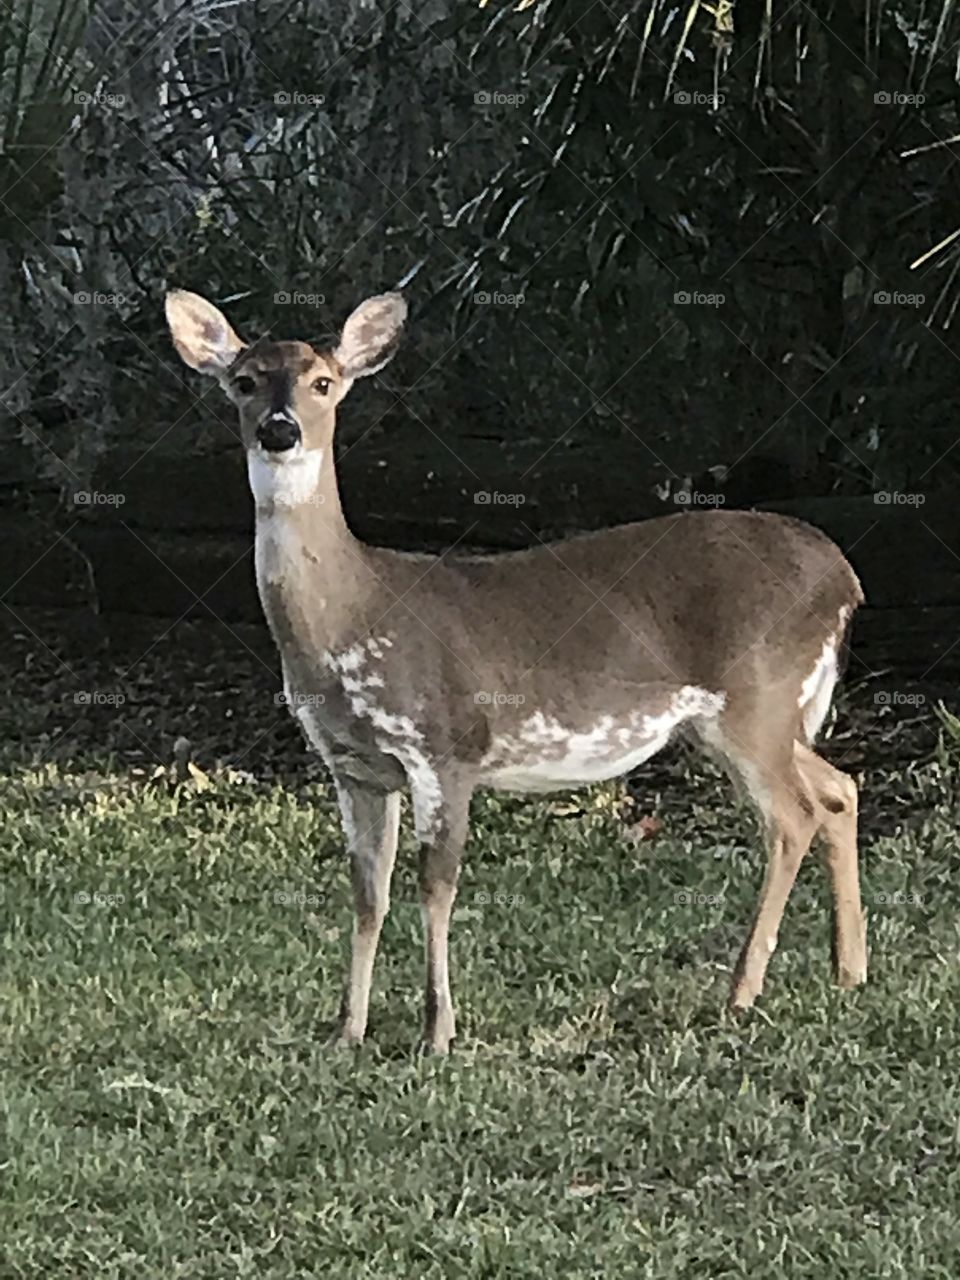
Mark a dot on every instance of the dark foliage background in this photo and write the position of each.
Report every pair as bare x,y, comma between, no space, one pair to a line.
600,162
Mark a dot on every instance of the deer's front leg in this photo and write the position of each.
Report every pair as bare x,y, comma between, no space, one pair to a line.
371,821
442,829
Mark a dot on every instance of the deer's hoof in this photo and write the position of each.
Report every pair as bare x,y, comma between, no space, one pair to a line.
434,1046
849,976
343,1040
742,998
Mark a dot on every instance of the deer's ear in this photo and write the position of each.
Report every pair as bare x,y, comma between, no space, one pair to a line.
371,335
202,334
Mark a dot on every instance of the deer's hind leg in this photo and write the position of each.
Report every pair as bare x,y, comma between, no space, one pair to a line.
836,793
760,752
800,796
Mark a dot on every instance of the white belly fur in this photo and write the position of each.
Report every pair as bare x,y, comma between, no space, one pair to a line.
575,769
543,755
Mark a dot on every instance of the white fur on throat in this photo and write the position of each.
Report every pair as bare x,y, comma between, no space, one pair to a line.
278,484
287,479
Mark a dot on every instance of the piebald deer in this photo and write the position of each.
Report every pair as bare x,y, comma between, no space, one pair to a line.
727,625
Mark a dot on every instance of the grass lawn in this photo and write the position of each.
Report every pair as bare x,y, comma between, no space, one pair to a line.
171,968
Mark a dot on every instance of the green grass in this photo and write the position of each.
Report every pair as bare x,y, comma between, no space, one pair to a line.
169,1109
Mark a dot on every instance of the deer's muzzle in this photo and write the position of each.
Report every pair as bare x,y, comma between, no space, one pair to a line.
278,432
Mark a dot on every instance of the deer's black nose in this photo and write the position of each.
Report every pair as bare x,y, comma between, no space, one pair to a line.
278,433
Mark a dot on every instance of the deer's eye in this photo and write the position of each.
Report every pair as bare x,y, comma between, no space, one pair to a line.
322,385
245,385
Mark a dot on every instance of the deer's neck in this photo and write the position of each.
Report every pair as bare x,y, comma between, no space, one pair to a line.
311,571
295,483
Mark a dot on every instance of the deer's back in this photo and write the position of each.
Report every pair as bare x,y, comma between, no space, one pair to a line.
683,597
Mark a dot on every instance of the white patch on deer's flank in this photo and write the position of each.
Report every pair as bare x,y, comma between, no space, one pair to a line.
529,761
816,692
811,685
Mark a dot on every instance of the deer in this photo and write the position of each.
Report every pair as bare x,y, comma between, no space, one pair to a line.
547,668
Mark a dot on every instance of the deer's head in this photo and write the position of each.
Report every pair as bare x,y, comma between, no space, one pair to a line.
286,393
